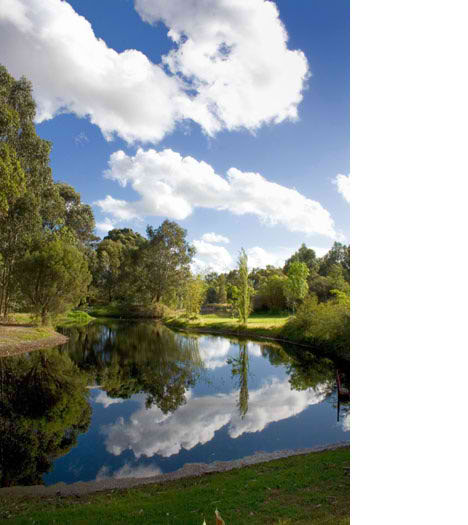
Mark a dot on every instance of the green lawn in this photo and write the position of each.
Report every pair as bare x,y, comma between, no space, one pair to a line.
267,325
312,488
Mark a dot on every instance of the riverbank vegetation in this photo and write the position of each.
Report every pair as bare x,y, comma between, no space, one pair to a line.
311,488
51,262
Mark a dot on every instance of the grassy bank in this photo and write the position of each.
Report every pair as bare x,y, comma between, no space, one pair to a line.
281,327
16,340
312,488
69,319
20,334
264,325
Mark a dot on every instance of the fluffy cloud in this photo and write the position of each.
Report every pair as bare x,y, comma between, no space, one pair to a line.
230,68
343,183
211,258
150,432
213,351
260,258
105,225
214,237
172,185
103,399
74,72
128,471
235,55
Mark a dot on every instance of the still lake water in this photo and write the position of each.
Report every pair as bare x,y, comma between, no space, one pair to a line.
137,399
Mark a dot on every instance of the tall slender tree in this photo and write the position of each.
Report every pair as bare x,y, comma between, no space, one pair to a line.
244,298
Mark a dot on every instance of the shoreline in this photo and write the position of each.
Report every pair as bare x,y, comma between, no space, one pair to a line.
189,470
251,334
14,347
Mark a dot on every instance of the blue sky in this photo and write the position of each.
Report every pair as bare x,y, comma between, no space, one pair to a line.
157,112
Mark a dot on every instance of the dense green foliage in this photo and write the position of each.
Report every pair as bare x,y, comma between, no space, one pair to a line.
34,210
295,286
53,277
43,410
195,293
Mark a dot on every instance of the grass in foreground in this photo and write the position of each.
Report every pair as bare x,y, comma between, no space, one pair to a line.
313,488
266,325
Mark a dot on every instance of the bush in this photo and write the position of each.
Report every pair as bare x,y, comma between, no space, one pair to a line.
325,325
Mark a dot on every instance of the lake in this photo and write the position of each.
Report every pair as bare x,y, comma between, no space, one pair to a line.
135,399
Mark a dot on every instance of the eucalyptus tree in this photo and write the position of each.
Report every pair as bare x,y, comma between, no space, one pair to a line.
77,215
338,254
53,275
31,204
304,255
164,261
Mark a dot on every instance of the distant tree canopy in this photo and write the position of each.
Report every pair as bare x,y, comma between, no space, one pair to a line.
304,255
50,258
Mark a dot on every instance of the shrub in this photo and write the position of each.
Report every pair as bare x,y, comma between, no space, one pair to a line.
326,325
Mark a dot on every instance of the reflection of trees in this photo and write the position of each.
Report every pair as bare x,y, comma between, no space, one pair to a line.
138,358
43,409
304,368
240,369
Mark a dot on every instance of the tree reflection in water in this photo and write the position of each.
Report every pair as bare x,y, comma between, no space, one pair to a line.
240,370
43,409
130,358
44,395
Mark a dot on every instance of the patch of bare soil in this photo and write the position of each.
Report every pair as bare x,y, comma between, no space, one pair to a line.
14,340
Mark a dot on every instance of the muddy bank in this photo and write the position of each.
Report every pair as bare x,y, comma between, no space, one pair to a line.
10,346
187,471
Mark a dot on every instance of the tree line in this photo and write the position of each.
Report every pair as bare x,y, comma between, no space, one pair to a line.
51,260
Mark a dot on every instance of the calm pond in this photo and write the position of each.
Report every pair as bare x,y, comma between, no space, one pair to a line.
136,399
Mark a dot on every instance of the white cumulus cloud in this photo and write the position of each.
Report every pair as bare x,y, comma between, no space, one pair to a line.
343,183
105,225
150,432
231,67
172,186
214,237
211,257
213,351
235,54
261,258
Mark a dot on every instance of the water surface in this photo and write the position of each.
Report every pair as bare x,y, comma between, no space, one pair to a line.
136,399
